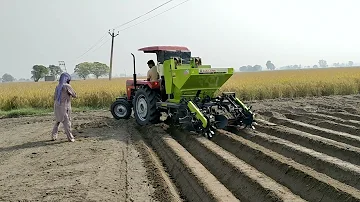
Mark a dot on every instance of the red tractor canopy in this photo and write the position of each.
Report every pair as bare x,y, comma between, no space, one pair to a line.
166,52
154,49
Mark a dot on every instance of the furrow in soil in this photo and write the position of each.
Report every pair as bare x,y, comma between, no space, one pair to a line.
327,133
193,179
243,180
300,179
327,146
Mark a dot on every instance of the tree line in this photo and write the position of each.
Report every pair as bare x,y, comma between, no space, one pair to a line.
249,68
40,71
7,78
270,66
83,70
321,64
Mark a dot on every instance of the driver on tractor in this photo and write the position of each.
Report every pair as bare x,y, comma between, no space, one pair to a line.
152,74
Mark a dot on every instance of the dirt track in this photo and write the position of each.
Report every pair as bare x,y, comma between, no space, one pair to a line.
302,150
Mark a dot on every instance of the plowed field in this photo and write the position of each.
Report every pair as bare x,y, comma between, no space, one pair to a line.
302,150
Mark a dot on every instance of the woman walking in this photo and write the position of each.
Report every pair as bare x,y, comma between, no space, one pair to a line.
62,106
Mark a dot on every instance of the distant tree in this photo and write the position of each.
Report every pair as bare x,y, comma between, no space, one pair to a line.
250,68
83,69
99,69
243,68
323,63
315,66
296,67
39,72
291,67
257,68
270,65
7,78
351,63
55,70
336,64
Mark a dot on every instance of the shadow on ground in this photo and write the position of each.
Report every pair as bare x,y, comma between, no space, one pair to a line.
28,145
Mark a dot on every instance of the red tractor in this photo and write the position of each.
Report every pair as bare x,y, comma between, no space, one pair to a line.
147,93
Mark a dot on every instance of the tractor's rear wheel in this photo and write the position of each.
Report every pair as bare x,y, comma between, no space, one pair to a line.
121,109
145,110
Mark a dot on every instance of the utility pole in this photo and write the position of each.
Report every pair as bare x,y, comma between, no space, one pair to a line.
112,50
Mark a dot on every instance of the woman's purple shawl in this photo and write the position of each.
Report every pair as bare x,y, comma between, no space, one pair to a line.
64,78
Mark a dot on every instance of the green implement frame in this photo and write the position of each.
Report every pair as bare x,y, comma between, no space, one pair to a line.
185,92
185,80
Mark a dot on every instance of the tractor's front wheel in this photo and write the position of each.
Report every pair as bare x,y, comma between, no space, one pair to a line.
121,109
145,110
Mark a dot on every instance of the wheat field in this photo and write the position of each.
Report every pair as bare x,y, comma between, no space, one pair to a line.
100,93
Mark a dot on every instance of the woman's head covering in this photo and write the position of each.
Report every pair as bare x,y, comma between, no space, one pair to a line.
64,78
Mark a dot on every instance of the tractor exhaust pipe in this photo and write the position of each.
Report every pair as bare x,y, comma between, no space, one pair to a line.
134,75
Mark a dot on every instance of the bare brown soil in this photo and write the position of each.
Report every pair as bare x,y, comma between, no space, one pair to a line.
107,162
304,149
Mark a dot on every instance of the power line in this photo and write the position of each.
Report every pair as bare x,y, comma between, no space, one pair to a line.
143,14
155,15
132,25
121,26
91,47
105,42
101,45
113,35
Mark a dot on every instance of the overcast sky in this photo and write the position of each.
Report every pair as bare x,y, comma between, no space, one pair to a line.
223,32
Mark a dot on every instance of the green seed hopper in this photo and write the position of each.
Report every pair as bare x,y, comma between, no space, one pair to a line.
185,80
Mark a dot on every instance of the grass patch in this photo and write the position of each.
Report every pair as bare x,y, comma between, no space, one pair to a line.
24,112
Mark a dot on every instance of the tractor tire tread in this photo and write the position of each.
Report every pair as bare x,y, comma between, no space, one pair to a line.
127,106
154,114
